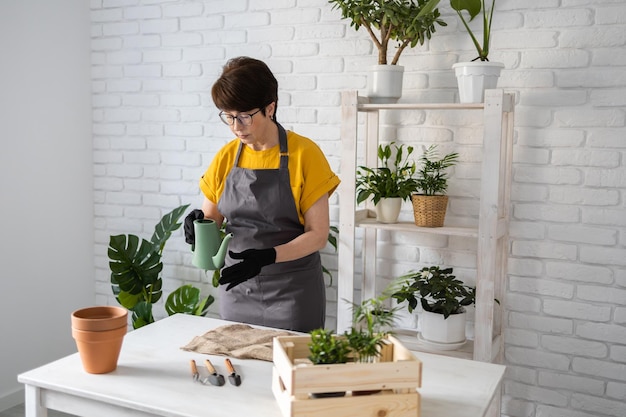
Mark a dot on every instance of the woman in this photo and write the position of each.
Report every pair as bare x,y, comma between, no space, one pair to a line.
273,187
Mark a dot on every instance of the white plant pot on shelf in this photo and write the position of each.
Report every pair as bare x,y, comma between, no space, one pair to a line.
437,330
384,83
388,210
473,78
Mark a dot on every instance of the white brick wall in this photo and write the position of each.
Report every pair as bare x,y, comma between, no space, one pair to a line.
155,131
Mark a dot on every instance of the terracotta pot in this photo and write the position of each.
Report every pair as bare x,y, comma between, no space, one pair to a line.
99,333
99,351
97,319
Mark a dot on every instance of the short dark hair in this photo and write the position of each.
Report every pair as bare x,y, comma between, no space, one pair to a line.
246,83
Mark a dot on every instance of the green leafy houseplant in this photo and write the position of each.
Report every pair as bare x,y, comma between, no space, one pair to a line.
403,21
370,323
136,274
388,180
438,290
362,342
326,348
432,177
473,8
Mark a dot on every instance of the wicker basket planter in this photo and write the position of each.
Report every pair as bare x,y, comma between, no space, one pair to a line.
429,210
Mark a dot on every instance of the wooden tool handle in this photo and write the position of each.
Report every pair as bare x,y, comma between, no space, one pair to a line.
229,366
210,367
194,369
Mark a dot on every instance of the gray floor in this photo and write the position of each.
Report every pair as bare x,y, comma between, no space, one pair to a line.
18,411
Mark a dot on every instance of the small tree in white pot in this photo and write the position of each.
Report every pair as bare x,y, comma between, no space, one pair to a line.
402,21
480,74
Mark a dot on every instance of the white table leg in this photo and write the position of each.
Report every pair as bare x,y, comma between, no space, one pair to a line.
32,402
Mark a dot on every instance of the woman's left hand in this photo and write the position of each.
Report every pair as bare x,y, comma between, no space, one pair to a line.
253,261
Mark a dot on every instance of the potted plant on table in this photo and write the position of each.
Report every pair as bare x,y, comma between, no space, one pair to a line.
403,21
363,343
480,74
326,348
390,183
371,323
136,274
429,206
443,299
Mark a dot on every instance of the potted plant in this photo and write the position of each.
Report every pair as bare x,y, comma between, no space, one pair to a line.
443,299
136,274
390,183
401,21
371,323
326,348
429,206
373,315
480,74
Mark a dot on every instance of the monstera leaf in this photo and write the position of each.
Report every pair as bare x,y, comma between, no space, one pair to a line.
186,299
163,230
142,314
136,267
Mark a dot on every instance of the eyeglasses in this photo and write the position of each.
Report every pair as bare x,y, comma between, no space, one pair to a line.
243,118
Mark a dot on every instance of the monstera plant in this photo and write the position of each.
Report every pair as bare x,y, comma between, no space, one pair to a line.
136,268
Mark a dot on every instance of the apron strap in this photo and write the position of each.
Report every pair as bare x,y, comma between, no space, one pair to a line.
284,152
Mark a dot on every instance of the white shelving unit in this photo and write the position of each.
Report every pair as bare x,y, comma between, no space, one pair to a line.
493,216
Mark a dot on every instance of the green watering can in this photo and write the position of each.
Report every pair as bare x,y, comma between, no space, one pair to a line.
209,250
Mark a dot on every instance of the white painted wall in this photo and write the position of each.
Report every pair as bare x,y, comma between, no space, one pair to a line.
46,183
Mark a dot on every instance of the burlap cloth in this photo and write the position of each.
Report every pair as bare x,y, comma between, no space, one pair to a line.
237,340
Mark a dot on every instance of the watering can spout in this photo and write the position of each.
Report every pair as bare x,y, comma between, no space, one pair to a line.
209,251
220,256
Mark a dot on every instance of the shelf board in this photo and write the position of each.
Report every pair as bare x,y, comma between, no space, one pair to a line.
364,105
409,339
367,220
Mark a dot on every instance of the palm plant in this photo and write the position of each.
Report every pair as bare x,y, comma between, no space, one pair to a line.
370,321
432,177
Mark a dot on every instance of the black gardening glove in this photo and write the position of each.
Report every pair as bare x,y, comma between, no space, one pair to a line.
190,235
253,261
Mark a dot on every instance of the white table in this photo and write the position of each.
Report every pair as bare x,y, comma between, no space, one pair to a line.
153,379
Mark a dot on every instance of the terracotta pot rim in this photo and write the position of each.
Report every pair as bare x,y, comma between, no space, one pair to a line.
99,318
98,336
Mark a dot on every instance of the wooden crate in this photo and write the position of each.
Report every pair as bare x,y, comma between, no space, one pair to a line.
397,375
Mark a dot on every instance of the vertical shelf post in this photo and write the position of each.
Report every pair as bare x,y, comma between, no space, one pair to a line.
347,207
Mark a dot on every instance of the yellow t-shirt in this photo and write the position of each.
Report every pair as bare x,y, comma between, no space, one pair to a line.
309,172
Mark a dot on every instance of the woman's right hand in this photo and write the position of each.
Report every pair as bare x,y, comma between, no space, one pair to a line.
190,236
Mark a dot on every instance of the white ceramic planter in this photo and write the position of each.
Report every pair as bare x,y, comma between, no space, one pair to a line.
384,83
388,210
473,78
434,328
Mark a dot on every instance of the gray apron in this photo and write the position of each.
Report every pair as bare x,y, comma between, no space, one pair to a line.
262,214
